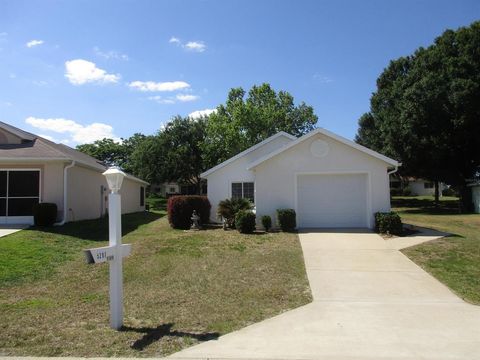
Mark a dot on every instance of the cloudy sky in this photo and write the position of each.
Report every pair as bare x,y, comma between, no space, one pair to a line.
77,71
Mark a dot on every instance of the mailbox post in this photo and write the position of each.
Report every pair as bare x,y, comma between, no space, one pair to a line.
114,179
115,252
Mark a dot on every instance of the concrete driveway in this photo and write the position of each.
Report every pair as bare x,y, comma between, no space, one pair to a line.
10,229
370,302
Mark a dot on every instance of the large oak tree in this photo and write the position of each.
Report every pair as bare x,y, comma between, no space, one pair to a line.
426,110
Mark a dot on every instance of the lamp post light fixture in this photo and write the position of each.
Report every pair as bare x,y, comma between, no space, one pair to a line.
114,179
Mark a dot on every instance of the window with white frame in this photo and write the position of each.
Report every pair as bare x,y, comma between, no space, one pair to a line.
244,190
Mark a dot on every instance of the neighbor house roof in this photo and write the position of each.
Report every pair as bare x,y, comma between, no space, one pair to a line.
245,152
37,148
328,134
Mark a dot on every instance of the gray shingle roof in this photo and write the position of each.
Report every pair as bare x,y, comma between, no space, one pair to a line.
36,147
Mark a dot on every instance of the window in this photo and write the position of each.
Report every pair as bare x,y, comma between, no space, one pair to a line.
142,196
172,190
428,185
244,190
19,191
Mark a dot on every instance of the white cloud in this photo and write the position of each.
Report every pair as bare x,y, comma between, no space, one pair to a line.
79,134
197,46
81,71
110,54
33,43
186,97
200,113
158,86
161,100
322,79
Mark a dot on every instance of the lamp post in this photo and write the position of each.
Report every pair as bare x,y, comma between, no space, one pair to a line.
114,179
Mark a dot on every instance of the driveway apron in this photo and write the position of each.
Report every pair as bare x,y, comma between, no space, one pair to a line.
369,302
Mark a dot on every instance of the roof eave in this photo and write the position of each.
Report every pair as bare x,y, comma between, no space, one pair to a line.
245,152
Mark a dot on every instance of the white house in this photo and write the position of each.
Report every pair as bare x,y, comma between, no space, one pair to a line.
34,169
475,196
329,181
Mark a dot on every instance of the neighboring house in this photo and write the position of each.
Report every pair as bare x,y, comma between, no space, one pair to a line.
167,189
417,187
34,170
329,181
475,196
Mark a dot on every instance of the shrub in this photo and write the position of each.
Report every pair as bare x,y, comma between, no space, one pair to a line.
44,214
228,208
180,209
287,219
407,191
267,222
388,223
396,192
245,221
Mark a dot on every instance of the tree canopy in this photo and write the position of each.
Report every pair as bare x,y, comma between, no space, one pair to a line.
244,121
185,147
426,110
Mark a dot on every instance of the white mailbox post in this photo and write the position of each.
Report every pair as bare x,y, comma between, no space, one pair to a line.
115,252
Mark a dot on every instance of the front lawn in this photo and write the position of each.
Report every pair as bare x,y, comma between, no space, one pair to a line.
180,287
454,260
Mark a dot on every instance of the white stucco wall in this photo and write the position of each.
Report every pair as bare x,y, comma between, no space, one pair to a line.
219,182
85,200
275,179
418,188
476,198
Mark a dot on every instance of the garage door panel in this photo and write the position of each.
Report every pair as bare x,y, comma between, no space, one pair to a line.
332,200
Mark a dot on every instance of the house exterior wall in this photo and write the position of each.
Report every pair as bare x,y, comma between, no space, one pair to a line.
88,190
219,182
418,188
275,179
476,198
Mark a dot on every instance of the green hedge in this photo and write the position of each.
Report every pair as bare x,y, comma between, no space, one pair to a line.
287,219
180,209
388,223
267,222
245,221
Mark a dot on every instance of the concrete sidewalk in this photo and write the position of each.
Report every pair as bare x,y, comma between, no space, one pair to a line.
370,302
10,229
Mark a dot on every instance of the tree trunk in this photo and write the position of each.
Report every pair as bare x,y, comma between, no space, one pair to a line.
437,193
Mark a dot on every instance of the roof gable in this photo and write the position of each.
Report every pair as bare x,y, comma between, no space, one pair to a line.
248,151
328,134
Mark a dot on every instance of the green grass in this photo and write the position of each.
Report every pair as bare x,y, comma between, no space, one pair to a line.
180,287
454,260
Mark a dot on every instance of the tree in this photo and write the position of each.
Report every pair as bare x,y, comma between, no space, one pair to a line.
426,110
106,150
243,122
173,154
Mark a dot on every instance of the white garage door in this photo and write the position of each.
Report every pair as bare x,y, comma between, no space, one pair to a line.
332,200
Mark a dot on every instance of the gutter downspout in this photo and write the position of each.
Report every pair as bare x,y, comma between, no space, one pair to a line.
394,170
65,192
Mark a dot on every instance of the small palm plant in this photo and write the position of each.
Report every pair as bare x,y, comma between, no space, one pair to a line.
228,208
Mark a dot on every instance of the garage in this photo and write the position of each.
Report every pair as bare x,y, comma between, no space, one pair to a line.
332,200
19,192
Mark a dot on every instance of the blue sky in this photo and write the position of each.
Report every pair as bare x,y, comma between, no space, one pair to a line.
79,70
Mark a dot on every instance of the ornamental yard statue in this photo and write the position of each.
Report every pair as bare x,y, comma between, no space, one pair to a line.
195,221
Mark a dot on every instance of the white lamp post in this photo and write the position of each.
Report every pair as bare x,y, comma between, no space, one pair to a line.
114,179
